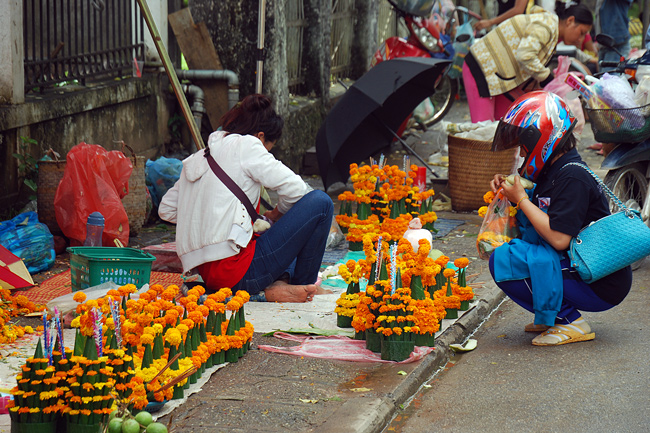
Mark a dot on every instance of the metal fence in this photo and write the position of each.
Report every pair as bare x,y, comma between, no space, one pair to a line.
67,40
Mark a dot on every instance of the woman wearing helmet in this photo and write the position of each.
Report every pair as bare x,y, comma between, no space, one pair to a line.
535,271
512,58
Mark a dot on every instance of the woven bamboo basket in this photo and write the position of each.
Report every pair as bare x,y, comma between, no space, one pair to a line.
472,165
50,174
135,202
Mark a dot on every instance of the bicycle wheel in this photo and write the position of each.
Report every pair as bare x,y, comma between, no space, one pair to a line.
442,100
630,185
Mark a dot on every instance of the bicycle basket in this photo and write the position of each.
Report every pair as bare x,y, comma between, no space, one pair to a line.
621,125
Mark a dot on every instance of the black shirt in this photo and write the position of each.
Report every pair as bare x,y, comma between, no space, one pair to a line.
573,199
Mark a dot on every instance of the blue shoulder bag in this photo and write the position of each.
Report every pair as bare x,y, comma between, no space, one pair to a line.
610,243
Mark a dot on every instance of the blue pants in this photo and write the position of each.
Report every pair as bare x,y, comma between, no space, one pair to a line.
294,245
608,55
577,295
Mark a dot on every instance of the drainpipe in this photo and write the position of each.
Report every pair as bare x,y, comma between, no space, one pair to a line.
198,97
209,74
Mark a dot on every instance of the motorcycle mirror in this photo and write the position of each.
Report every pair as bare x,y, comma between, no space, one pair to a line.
605,40
462,38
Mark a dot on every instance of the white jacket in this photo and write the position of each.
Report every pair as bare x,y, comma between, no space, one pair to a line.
211,223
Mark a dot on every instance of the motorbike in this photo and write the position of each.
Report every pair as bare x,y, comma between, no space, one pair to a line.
431,34
628,164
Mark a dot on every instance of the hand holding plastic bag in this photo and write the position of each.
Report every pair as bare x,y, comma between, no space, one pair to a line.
499,226
95,180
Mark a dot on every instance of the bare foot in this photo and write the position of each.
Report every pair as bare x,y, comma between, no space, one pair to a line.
281,291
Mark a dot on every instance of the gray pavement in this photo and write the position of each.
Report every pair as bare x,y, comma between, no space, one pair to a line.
504,385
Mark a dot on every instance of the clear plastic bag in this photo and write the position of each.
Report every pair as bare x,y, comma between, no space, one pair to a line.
499,226
336,237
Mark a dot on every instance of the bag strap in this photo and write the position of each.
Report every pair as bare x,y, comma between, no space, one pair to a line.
605,188
232,186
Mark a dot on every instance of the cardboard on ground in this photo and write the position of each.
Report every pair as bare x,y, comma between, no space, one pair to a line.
13,272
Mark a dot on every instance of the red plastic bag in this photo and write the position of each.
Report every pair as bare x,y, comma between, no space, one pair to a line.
94,180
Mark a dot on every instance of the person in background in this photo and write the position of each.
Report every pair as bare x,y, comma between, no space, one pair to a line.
513,57
534,270
214,232
506,9
611,19
647,39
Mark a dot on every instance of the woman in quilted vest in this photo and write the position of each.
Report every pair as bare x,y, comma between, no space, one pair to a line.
511,59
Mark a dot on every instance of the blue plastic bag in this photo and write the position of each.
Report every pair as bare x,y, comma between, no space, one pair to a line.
161,175
30,240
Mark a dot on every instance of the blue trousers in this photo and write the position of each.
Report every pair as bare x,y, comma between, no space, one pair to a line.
577,295
294,245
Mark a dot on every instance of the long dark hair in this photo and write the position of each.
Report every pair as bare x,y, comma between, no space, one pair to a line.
570,8
252,115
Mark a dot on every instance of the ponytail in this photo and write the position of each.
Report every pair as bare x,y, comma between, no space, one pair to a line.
252,115
571,8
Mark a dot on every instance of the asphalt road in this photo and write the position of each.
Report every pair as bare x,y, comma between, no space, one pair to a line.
508,385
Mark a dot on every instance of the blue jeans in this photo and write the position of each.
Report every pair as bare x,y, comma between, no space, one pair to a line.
577,295
608,55
294,245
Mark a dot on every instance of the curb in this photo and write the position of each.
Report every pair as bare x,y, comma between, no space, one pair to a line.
372,415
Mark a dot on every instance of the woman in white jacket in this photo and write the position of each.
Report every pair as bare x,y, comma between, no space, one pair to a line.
214,233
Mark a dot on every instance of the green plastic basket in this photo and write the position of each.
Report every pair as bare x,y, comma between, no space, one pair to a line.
91,266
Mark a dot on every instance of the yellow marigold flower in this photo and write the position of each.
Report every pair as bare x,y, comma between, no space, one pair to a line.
76,322
29,329
146,339
482,211
448,273
488,197
79,297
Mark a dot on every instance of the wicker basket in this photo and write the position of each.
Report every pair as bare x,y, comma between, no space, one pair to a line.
50,174
135,202
472,164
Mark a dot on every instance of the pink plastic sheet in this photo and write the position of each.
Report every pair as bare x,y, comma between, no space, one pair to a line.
336,347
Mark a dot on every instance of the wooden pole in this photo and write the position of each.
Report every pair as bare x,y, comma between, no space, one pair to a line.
171,73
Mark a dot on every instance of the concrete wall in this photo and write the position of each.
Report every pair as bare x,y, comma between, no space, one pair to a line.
133,110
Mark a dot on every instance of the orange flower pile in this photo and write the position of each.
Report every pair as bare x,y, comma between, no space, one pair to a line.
12,306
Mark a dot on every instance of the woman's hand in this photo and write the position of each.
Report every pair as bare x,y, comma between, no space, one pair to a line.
273,214
515,192
497,182
482,24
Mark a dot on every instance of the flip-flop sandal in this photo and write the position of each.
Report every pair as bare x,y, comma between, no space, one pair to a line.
531,327
559,334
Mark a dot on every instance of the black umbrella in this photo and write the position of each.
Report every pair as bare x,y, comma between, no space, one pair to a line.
366,117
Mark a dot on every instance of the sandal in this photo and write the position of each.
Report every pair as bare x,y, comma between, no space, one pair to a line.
561,334
531,327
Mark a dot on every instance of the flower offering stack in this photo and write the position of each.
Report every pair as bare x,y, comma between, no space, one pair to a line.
386,201
130,352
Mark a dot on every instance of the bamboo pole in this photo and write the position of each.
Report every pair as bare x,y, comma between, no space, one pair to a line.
171,73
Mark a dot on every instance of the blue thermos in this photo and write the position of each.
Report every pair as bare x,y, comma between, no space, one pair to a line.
94,230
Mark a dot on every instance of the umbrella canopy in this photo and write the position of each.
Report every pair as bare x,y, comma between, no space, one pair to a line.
366,117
